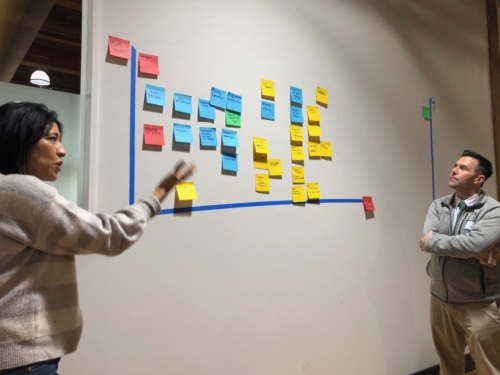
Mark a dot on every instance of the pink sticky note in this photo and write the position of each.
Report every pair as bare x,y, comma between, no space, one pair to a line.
119,47
153,135
368,204
148,64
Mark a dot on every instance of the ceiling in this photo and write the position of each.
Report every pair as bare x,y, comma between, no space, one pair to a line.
41,35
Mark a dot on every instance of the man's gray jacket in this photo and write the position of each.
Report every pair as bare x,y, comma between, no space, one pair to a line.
456,275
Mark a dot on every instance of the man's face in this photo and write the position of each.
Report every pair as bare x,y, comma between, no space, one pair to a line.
463,176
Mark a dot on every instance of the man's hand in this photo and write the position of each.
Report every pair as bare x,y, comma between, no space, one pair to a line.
489,258
421,243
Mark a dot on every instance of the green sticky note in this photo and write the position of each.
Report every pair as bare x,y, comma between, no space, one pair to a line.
426,112
233,119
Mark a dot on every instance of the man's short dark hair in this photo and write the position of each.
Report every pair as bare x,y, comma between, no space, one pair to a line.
22,125
484,166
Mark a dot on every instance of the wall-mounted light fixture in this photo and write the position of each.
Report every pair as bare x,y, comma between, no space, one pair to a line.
40,78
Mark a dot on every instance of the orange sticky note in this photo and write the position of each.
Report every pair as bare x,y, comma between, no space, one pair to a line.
368,204
148,64
153,135
119,47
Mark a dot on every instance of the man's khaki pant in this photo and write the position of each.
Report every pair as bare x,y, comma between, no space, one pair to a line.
458,325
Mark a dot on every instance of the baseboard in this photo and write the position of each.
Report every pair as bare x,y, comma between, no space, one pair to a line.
434,370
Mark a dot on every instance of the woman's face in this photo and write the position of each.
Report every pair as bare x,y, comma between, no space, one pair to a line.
45,158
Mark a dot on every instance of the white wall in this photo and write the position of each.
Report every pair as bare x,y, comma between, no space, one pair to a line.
319,289
69,183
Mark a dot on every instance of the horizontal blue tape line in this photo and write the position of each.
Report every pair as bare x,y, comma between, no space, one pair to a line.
227,206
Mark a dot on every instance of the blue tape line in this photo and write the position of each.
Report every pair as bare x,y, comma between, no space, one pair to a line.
431,100
131,189
227,206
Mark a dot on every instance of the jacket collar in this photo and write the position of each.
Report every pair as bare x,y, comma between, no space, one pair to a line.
481,198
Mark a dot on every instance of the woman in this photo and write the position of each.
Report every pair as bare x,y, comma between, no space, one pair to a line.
40,234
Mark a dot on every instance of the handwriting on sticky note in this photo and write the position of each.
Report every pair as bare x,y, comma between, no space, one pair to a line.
230,138
298,175
296,133
148,64
296,95
326,149
260,145
313,190
119,47
275,168
314,149
208,137
297,153
313,113
155,95
267,88
205,110
321,95
218,97
153,135
262,183
298,194
182,133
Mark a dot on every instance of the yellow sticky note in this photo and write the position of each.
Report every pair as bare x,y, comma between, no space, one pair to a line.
260,161
321,95
298,175
313,113
275,168
296,134
186,191
297,153
313,190
262,183
326,149
314,131
260,145
267,88
314,149
298,194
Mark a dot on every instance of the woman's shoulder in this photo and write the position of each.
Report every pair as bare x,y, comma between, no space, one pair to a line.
24,184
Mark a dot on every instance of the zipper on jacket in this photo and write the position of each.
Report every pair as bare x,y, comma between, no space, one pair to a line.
481,279
443,278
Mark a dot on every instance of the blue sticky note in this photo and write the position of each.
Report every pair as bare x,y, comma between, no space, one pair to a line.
296,116
230,162
182,133
230,138
296,95
155,95
267,110
182,103
205,110
218,98
233,102
208,137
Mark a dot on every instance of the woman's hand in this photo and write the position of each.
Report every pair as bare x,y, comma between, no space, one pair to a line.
180,173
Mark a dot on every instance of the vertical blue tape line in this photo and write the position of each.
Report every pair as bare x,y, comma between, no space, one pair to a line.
431,101
132,127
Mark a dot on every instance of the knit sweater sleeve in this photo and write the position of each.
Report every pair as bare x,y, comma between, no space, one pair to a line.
34,215
483,236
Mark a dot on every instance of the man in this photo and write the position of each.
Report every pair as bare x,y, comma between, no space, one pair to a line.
465,284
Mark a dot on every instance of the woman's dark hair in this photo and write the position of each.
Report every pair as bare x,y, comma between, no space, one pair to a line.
22,125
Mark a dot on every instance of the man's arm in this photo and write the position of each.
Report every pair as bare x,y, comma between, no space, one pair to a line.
483,237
